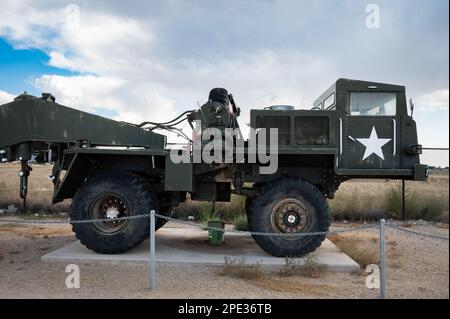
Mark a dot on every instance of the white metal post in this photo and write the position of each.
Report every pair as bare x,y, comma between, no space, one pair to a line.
382,260
151,265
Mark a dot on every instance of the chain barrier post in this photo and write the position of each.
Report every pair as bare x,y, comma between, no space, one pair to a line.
151,265
382,260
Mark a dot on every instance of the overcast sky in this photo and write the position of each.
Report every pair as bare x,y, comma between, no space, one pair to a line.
151,60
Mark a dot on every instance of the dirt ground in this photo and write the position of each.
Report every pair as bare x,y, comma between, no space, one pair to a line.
418,267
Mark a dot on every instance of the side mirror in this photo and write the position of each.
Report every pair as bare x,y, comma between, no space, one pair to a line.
411,106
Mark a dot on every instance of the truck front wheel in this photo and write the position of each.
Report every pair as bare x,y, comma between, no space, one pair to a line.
111,195
289,205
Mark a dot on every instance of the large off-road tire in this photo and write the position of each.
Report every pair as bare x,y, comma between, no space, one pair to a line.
110,195
288,205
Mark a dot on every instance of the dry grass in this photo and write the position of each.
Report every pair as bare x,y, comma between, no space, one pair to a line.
287,279
363,251
6,226
40,189
292,285
407,225
364,248
373,199
27,231
237,268
309,268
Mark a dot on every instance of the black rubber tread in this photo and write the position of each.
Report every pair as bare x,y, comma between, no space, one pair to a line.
219,95
260,209
139,199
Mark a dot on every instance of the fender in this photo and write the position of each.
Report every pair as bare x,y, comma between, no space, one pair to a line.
82,163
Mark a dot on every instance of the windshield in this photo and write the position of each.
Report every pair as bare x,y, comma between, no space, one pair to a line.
376,104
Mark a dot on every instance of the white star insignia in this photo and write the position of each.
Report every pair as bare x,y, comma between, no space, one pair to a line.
373,144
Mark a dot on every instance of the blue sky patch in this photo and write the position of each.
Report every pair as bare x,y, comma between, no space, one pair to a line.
19,68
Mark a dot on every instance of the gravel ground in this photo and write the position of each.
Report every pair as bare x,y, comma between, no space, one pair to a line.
418,267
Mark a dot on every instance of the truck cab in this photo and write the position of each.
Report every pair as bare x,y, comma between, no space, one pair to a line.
363,127
375,133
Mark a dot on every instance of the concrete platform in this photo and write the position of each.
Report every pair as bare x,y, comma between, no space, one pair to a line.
189,246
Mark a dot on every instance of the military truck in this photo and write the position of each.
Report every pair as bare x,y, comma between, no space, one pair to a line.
111,169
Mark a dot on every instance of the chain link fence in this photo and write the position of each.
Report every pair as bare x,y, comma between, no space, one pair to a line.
372,199
356,200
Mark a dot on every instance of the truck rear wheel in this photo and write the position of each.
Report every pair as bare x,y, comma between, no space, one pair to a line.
112,195
289,205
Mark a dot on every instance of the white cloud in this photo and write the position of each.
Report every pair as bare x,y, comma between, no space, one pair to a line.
131,79
83,92
435,100
6,97
110,51
89,92
101,43
28,26
57,59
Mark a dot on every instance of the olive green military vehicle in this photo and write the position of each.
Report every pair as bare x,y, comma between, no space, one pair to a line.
111,169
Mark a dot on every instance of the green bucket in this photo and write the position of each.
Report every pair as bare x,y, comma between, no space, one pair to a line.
215,235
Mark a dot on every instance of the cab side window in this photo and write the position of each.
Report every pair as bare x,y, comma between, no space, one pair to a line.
282,123
311,130
373,104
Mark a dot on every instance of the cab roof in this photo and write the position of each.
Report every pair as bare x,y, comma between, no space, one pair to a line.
345,85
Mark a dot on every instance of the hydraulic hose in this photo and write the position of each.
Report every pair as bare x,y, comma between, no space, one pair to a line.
165,123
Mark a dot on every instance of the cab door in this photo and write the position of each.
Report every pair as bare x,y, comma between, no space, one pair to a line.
369,133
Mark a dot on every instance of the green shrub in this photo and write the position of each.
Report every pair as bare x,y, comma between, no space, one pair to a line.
206,212
426,206
229,211
394,201
202,211
352,206
240,222
431,207
348,208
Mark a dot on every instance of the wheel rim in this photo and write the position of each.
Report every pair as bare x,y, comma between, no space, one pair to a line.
291,215
111,207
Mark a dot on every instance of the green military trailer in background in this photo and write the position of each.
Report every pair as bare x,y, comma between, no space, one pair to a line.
111,169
